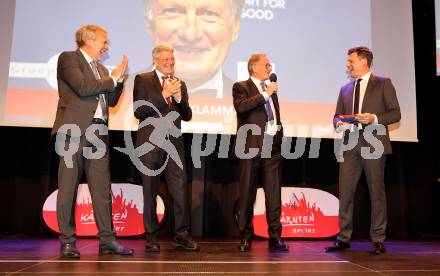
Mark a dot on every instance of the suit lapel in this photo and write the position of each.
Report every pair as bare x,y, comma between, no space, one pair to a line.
156,82
349,91
276,104
87,70
101,71
368,92
253,90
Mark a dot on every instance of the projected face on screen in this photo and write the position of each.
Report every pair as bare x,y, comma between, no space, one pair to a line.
200,31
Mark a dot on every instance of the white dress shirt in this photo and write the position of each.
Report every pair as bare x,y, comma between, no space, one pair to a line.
362,88
98,112
271,126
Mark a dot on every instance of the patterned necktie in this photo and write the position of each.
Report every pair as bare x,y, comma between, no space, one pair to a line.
170,104
267,105
101,97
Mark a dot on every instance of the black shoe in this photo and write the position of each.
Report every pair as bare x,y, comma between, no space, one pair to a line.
379,248
69,251
277,245
339,246
185,243
152,244
114,247
245,245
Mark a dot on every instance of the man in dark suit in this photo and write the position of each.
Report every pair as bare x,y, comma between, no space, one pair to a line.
167,95
373,102
256,103
85,91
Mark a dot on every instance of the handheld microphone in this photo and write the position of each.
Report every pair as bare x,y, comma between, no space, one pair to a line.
273,78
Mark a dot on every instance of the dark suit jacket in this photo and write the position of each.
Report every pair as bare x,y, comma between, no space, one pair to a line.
147,87
379,99
78,90
249,105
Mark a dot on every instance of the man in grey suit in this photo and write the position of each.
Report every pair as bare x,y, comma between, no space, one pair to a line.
85,91
373,101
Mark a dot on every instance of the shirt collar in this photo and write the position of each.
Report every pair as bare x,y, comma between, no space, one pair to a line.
216,83
159,75
366,77
257,83
86,56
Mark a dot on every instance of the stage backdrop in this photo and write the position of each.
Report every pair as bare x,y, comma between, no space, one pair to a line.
307,41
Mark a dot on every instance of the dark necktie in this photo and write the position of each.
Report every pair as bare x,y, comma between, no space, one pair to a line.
357,92
170,104
267,105
101,98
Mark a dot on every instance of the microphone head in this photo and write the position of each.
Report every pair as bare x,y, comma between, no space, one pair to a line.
273,77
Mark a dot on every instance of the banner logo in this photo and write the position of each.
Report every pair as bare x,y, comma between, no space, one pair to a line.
127,210
305,212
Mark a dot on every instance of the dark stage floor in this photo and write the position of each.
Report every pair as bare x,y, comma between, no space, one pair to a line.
219,257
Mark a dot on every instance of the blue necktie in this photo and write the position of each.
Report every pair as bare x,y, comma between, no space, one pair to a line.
267,105
101,98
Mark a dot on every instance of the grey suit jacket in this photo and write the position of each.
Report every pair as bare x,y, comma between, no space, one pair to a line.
379,99
78,90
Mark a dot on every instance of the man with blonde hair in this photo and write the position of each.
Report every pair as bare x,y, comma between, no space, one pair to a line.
86,90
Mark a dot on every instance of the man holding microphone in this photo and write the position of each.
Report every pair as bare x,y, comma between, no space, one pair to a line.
256,104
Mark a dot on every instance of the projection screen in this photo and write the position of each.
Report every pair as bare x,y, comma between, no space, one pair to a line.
306,40
437,34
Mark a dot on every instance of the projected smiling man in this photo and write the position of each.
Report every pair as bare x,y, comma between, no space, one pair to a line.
201,33
372,100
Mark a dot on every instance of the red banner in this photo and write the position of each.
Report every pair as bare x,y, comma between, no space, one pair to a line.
305,212
127,210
